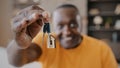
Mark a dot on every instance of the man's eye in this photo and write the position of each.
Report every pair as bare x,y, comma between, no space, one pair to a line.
73,25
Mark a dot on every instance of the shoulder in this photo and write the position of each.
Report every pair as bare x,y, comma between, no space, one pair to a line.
98,46
93,42
90,39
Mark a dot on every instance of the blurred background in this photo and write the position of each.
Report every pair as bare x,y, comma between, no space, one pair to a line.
100,19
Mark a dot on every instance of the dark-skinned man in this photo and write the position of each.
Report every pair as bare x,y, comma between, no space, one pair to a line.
73,50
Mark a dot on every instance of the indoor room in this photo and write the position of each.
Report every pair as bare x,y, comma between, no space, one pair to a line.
75,33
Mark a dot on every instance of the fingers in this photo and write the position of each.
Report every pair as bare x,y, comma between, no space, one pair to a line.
34,17
20,25
46,14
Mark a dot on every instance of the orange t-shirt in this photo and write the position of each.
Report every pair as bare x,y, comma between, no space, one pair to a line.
91,53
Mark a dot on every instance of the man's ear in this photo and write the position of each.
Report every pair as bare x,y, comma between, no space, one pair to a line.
78,17
84,25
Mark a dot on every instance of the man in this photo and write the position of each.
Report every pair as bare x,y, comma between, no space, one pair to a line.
73,50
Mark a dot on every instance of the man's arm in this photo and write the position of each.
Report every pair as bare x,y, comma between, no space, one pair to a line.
25,26
18,57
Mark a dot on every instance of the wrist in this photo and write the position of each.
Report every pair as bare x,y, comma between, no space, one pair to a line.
23,42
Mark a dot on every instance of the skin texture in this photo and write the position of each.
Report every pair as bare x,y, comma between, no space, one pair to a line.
67,27
28,23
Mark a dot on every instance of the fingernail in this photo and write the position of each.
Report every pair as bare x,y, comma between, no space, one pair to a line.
31,17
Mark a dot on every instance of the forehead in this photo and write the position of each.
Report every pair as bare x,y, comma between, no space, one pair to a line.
69,12
64,14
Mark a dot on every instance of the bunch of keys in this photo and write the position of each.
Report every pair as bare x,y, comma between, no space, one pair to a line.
46,29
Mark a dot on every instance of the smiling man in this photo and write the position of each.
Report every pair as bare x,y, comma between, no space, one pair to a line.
73,50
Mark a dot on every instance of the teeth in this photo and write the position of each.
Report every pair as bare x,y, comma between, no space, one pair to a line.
68,38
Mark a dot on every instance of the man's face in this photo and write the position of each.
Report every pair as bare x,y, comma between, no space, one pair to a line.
66,27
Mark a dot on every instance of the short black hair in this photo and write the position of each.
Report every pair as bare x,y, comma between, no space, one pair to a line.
68,6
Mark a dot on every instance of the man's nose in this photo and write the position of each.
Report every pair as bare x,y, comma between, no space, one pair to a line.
66,30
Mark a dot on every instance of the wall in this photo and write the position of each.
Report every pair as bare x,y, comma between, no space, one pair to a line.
51,5
5,16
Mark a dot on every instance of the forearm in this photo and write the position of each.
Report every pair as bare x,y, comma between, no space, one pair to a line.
15,54
25,27
18,57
